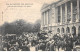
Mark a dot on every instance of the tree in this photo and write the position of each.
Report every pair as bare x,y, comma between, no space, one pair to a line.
19,26
37,25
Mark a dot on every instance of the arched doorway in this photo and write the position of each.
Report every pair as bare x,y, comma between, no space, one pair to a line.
73,30
79,31
67,30
58,30
62,30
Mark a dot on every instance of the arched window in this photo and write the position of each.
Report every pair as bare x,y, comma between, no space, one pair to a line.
68,30
62,30
58,30
79,31
73,30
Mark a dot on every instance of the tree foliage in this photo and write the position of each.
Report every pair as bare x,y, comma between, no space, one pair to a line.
19,26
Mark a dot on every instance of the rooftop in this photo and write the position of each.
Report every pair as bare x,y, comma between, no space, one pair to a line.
46,5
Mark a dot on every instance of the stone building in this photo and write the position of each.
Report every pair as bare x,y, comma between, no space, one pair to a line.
61,17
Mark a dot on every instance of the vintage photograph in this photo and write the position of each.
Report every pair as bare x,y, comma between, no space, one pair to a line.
39,25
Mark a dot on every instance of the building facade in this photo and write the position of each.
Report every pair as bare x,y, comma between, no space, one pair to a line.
61,17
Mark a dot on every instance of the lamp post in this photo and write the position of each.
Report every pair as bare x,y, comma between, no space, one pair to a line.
3,13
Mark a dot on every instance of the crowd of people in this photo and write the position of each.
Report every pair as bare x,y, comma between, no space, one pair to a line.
41,42
11,42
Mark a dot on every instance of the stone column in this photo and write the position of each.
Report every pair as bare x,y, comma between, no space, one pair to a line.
77,30
71,30
56,15
47,18
47,13
41,21
78,11
44,18
65,12
71,12
61,14
61,31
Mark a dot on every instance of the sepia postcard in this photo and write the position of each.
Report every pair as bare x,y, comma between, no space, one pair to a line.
39,25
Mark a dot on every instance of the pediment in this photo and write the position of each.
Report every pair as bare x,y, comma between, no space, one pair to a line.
44,5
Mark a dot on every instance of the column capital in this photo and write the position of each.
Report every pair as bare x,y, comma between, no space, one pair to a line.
44,18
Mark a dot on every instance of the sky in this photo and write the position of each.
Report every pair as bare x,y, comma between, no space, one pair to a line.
30,13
